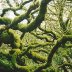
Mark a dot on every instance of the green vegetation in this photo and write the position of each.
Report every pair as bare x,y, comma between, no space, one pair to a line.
38,37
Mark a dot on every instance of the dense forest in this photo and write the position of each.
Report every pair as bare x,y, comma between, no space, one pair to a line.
35,35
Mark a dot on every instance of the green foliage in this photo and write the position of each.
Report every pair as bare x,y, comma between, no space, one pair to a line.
43,44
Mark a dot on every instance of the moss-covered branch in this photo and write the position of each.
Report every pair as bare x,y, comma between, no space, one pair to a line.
4,20
14,62
63,24
36,56
11,37
16,38
29,47
41,37
51,33
66,64
34,24
13,8
23,16
60,42
16,65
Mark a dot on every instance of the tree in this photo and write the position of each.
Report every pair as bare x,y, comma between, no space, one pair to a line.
13,31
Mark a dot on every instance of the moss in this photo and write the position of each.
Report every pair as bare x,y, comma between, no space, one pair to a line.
22,26
36,56
35,23
6,64
11,37
4,20
59,43
14,62
6,37
16,37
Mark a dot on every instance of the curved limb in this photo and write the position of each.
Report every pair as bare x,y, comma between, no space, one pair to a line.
60,42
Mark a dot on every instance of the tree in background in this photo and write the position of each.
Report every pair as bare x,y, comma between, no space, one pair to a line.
33,44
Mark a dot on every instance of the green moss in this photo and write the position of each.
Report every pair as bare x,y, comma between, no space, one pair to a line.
4,20
16,38
6,37
6,64
11,37
37,56
14,62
